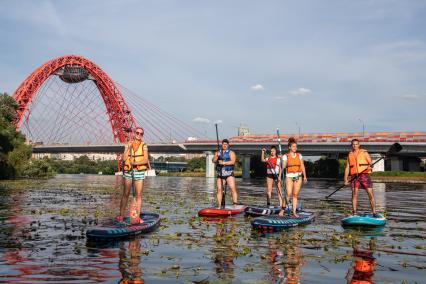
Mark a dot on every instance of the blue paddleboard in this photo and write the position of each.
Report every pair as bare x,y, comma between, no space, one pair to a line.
114,230
364,220
271,210
277,223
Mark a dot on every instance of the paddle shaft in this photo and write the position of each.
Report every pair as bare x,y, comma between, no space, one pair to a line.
282,176
133,203
222,202
275,179
354,177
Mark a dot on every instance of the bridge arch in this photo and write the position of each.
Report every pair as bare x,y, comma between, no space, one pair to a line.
119,114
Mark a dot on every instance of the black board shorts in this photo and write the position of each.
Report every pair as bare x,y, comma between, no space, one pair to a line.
225,174
272,176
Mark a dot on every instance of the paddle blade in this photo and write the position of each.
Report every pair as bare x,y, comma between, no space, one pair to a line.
395,148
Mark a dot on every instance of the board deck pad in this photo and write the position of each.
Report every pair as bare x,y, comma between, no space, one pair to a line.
229,210
367,220
278,223
265,211
112,229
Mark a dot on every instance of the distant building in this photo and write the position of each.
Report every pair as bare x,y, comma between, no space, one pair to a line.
73,156
243,130
190,156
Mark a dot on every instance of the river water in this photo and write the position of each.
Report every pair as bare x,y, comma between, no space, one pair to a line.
43,224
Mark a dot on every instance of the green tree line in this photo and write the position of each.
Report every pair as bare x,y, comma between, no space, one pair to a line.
15,154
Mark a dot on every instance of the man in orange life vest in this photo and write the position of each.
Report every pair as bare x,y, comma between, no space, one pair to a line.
358,166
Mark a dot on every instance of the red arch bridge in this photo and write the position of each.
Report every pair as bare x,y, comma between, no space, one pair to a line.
70,105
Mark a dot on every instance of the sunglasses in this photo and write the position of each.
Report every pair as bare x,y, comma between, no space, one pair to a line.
139,133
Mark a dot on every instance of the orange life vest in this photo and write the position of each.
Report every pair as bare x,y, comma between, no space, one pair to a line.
294,165
358,164
364,266
135,156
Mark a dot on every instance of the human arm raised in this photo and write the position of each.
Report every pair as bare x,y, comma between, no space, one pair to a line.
262,156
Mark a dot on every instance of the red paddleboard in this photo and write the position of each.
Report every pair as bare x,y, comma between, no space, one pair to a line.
223,212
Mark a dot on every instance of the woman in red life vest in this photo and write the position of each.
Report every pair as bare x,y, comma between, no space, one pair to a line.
358,167
292,162
273,164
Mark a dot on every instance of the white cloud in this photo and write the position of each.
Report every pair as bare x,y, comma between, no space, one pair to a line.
201,120
280,97
218,121
410,97
257,88
301,92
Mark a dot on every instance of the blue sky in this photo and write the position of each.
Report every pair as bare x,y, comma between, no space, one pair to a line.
322,65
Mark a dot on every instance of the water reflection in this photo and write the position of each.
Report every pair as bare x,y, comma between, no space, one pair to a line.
224,250
129,262
362,269
380,196
43,225
285,257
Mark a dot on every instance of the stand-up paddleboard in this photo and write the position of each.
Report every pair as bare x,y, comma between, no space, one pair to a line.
114,230
277,223
367,220
272,210
223,212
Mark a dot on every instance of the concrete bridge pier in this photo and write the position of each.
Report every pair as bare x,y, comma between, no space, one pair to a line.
411,164
210,166
396,164
246,166
380,166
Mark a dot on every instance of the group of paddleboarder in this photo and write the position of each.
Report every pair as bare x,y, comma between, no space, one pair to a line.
288,168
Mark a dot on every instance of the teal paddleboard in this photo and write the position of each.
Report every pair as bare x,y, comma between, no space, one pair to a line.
110,229
367,220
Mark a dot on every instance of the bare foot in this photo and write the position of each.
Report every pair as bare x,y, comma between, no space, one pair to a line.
295,214
281,214
137,221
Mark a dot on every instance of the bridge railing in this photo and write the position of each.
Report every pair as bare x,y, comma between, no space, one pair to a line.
336,137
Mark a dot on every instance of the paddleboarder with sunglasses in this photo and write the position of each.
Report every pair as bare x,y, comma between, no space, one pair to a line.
136,163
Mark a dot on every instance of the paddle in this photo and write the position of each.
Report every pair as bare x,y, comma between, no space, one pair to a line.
282,177
133,204
395,148
219,167
275,176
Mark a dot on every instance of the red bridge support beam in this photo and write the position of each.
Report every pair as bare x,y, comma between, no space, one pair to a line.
119,114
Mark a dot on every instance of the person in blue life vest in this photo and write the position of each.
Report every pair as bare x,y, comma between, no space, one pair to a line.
225,162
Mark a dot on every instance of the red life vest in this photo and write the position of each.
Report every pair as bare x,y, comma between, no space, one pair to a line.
271,163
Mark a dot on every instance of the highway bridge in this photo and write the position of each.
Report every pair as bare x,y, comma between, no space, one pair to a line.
330,145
